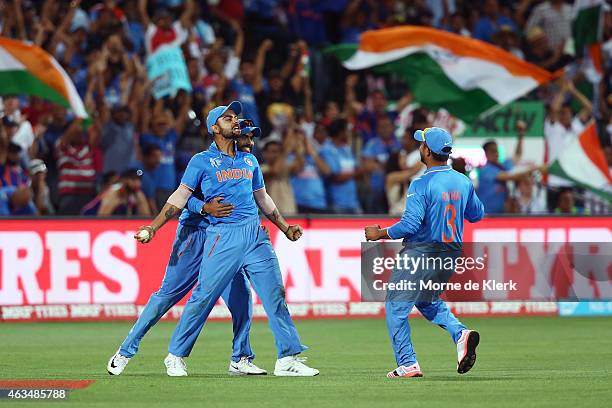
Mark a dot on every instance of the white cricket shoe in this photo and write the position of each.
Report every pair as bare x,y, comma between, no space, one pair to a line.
293,366
466,350
175,366
245,367
117,364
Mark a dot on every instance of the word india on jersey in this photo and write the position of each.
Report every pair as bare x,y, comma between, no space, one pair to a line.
408,285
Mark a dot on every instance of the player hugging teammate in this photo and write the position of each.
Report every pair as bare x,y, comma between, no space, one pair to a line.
436,205
220,245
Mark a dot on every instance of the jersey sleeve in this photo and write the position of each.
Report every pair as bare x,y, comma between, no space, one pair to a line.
331,160
474,210
369,150
194,173
194,204
414,212
258,180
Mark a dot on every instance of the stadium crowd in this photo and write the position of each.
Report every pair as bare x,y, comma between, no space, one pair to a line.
333,141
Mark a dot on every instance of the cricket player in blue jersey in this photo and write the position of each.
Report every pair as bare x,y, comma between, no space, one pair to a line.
182,274
234,242
436,205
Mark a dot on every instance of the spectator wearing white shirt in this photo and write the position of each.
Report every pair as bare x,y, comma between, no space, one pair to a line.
24,134
555,18
402,167
163,31
530,196
561,127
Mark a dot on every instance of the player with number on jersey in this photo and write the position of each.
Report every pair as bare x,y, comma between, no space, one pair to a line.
436,205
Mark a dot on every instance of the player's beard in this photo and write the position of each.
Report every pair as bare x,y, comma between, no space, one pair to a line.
231,133
422,157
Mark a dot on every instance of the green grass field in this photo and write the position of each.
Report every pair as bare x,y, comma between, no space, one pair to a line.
522,362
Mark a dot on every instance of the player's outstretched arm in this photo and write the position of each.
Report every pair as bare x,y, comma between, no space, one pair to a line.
171,209
267,206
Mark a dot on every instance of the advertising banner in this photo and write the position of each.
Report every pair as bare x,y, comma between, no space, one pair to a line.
94,269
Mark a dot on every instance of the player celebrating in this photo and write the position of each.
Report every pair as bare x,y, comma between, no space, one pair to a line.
182,274
436,205
234,242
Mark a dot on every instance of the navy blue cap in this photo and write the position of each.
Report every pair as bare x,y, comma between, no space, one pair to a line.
438,140
217,112
247,126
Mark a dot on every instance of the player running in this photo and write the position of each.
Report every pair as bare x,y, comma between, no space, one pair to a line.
234,242
436,205
182,274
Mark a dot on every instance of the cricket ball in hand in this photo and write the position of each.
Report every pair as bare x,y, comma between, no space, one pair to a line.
144,234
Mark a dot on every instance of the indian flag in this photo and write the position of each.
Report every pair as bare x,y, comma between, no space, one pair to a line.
583,162
587,24
465,76
26,69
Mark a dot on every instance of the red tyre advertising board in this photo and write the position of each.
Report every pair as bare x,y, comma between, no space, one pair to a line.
94,269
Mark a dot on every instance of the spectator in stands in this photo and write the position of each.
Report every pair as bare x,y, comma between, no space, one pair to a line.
491,21
358,17
118,142
493,176
164,131
458,25
284,85
22,132
250,82
566,203
539,52
375,155
555,18
507,39
222,65
561,127
401,168
163,31
367,114
307,172
122,198
12,172
76,170
151,160
341,183
40,189
530,197
276,173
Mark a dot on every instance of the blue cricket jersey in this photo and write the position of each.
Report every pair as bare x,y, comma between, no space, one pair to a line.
436,205
215,174
340,159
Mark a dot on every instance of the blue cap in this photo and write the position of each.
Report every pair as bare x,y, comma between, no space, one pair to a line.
438,140
217,112
247,126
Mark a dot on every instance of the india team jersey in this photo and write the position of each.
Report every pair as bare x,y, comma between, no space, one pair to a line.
436,205
235,178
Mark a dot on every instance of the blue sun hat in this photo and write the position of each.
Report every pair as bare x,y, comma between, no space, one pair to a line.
248,126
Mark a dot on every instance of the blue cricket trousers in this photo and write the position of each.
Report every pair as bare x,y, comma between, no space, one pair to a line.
229,248
398,306
181,275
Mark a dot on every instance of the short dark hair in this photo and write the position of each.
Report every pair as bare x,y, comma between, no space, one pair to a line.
564,190
108,176
488,143
440,157
149,148
337,126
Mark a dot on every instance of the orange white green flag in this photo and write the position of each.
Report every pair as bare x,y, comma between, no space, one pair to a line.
26,69
467,77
